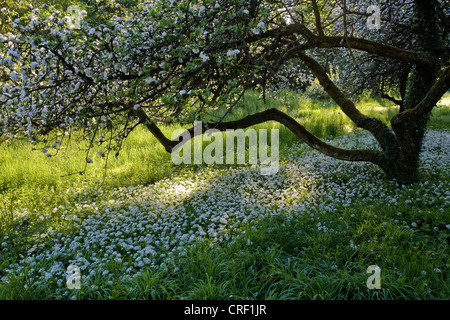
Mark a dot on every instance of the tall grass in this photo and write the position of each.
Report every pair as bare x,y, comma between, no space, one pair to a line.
276,259
321,116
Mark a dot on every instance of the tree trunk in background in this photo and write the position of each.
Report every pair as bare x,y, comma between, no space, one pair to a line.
420,82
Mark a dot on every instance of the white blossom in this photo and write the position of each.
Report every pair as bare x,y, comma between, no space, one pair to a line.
233,53
204,57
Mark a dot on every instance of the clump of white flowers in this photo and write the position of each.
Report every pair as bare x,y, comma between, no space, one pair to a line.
260,27
143,227
233,53
204,56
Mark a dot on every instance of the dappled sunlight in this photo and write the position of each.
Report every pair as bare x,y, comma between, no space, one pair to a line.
380,109
141,227
445,100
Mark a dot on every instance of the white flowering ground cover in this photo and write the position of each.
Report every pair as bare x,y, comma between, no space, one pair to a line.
309,231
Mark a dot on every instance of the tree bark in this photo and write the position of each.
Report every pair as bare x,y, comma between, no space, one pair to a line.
426,87
257,118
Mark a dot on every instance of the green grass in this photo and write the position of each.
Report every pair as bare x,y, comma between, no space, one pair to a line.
274,258
143,160
292,260
322,116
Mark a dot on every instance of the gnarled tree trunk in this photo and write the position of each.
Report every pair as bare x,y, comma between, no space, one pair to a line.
410,134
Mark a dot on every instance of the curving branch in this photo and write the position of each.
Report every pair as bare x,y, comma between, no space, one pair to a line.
376,127
392,99
327,42
257,118
372,47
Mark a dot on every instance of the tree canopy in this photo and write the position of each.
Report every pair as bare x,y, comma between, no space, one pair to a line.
179,60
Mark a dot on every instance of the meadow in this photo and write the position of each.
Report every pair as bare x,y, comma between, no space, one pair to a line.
144,228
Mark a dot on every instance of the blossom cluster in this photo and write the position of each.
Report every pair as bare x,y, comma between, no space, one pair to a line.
60,77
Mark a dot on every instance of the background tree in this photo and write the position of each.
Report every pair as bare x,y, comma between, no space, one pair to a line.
96,11
104,10
178,60
19,8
